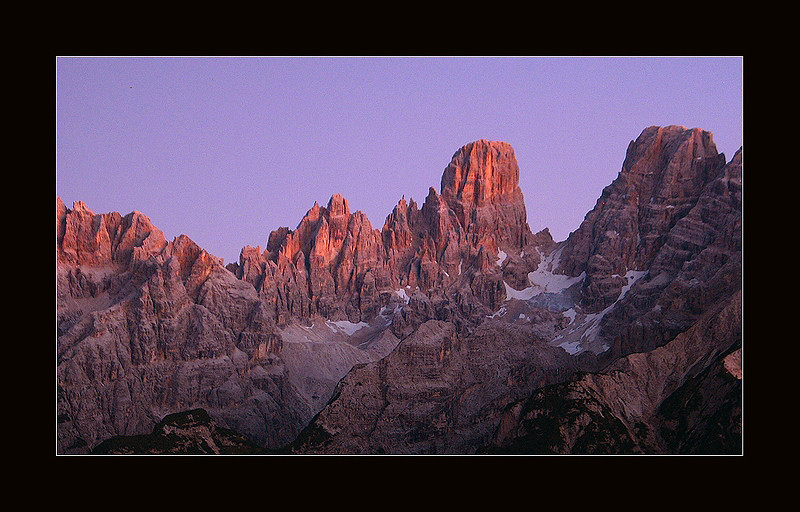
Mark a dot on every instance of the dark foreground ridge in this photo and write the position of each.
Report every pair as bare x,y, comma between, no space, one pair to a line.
183,433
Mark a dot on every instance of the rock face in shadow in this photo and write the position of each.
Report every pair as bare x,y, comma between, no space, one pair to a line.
681,398
663,243
664,175
452,329
435,393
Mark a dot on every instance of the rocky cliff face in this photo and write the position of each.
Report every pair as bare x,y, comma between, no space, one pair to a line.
437,392
481,187
663,243
681,398
147,328
431,335
663,177
645,297
336,265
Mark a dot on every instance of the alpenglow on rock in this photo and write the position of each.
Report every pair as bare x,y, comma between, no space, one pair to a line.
149,327
481,185
336,265
452,329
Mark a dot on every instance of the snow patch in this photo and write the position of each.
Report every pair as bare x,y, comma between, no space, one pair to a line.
551,262
543,280
632,276
500,312
593,330
583,332
388,313
524,294
572,347
593,320
403,295
501,255
345,326
547,282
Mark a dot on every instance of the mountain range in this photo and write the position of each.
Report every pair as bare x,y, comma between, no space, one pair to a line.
453,329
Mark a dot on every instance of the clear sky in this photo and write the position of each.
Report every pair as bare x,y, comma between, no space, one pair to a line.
227,149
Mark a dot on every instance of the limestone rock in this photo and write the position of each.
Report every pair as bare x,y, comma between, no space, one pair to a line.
336,265
657,264
163,334
698,265
481,185
103,239
662,177
453,329
675,399
437,392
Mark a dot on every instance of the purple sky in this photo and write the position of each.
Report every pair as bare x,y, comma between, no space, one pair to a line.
225,150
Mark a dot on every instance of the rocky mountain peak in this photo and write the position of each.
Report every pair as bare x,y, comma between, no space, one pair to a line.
481,186
481,173
669,163
81,207
662,177
86,238
337,205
